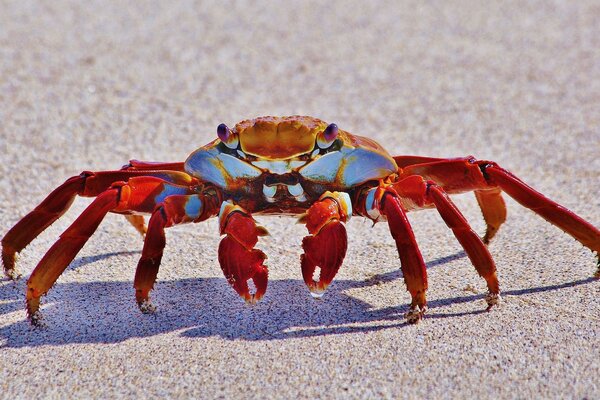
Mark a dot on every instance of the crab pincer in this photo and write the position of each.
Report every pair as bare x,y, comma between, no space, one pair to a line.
326,246
238,258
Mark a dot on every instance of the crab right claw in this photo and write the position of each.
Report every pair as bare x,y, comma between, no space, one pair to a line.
238,258
240,264
325,250
327,244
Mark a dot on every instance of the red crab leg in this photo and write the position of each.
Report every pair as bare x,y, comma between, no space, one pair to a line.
121,197
137,165
451,175
411,260
87,184
238,258
493,208
464,174
422,193
326,246
175,209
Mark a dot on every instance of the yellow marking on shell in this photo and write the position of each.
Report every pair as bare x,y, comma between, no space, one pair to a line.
279,138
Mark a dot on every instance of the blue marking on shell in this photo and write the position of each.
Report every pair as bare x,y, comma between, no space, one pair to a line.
210,165
193,207
364,165
167,191
323,169
349,167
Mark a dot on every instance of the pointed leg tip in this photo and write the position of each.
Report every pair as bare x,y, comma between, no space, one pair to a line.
12,274
146,307
8,262
492,299
415,314
36,319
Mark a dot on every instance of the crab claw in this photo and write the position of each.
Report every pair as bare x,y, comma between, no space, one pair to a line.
238,258
239,265
326,250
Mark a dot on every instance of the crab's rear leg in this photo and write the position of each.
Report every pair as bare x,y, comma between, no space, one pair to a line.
326,246
139,195
87,184
238,258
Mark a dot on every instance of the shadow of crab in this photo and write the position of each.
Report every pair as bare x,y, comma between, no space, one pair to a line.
105,312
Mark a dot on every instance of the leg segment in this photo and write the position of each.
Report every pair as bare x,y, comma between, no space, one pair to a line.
54,262
411,260
326,246
175,209
87,184
422,194
457,175
493,209
466,174
552,212
474,247
120,197
238,258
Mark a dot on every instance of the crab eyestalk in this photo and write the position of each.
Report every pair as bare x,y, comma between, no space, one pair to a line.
227,136
326,138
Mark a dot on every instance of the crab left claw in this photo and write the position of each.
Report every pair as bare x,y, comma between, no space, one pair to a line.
238,258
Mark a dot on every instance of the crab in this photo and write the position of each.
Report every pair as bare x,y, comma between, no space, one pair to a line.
299,166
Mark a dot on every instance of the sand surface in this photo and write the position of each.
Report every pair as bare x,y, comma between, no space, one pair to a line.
90,86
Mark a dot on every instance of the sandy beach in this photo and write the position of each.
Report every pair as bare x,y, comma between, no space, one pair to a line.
91,86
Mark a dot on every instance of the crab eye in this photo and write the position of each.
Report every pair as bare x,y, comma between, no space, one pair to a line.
328,136
227,136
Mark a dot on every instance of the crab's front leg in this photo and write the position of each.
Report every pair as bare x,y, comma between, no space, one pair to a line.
173,210
385,202
238,258
326,245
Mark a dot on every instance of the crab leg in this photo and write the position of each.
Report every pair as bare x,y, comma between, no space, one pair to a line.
422,194
413,267
238,258
454,178
137,165
175,209
493,208
87,184
137,195
326,245
465,174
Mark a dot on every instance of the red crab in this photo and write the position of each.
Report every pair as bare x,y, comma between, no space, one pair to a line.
284,165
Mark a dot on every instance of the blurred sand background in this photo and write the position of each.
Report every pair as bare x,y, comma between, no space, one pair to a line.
90,85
